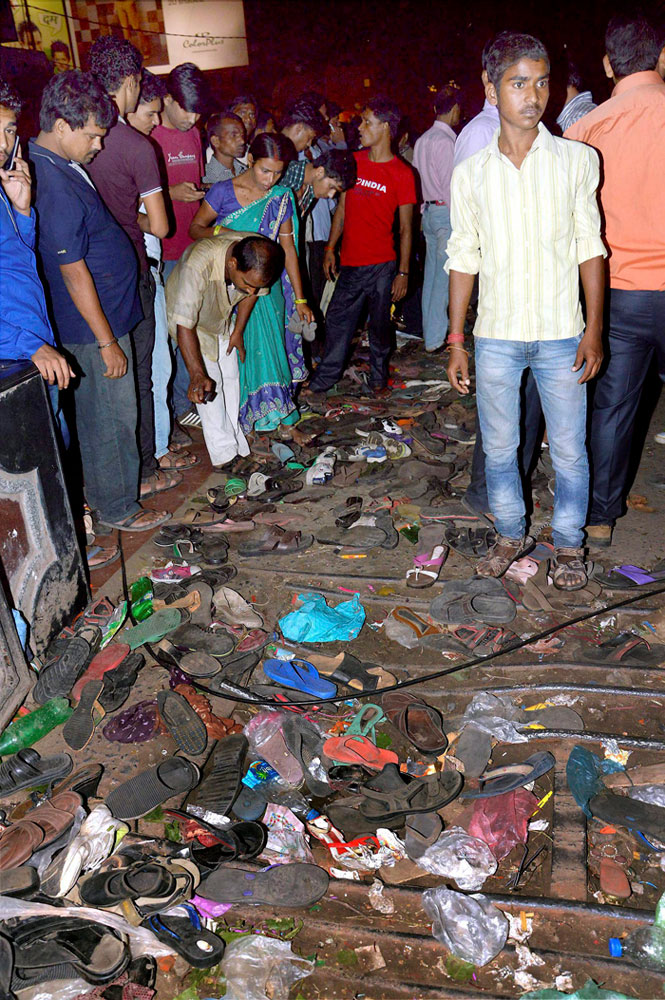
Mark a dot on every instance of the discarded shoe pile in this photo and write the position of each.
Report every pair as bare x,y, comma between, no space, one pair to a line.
195,762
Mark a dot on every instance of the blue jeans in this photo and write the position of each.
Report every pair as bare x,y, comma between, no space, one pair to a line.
181,403
636,337
499,368
162,370
436,230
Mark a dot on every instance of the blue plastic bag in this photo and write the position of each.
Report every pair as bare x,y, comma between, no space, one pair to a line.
584,774
314,621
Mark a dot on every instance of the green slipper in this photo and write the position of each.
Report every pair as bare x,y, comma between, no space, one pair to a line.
154,628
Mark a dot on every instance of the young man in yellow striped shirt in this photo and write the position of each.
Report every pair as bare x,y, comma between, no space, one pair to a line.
525,218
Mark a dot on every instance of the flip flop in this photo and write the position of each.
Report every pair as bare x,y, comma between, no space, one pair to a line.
276,541
79,728
358,750
151,788
349,670
467,602
130,523
426,568
203,518
422,830
626,648
420,723
200,947
154,628
299,675
185,726
629,577
199,665
27,769
501,780
470,542
193,639
296,885
365,721
388,795
304,741
107,659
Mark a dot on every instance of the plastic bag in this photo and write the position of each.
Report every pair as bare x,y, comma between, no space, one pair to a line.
457,855
314,621
590,991
502,820
470,927
496,715
399,632
258,968
286,835
584,772
654,794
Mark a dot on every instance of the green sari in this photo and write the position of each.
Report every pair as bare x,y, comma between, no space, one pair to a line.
273,354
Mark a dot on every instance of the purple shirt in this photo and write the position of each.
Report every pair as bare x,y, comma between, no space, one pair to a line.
433,159
477,134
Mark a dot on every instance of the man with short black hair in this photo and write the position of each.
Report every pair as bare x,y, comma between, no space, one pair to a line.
302,124
433,160
326,177
227,139
364,219
90,267
213,277
579,102
627,130
180,143
246,108
126,174
525,218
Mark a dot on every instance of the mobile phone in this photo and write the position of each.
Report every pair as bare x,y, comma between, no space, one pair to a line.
9,162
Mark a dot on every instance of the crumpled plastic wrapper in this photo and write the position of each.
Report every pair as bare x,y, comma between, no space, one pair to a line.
470,927
495,714
456,855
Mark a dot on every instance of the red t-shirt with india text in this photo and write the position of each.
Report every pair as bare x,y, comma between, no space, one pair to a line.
370,208
183,159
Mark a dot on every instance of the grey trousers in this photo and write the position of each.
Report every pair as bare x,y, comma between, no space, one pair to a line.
106,415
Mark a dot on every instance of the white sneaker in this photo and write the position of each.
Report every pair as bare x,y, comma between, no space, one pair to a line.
660,437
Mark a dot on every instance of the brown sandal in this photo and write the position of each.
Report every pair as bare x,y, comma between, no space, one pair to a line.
568,570
159,482
502,554
177,461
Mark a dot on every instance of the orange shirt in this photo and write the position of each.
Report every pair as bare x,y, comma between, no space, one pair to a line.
629,133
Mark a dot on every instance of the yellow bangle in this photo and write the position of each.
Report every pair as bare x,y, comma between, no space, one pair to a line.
301,302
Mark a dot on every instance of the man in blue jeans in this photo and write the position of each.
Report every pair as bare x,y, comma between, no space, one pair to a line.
526,220
433,159
364,219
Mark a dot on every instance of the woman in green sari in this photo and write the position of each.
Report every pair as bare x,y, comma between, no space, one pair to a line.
254,202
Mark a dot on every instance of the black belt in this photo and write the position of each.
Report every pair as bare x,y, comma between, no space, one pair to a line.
435,203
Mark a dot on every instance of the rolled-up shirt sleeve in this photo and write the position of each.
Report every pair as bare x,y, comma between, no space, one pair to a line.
464,243
587,214
185,300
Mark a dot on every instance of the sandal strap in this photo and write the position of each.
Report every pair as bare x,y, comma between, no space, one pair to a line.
20,767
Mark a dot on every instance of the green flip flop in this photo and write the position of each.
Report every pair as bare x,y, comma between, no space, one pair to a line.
154,628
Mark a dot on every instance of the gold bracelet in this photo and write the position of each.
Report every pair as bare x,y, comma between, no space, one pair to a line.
456,347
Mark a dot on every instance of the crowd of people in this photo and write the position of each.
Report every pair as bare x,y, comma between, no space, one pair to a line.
171,281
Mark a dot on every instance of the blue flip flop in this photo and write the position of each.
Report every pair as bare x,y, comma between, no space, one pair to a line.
299,675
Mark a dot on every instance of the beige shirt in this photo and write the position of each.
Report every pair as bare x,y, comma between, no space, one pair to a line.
525,232
198,295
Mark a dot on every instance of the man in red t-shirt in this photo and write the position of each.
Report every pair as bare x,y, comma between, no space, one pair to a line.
364,219
180,143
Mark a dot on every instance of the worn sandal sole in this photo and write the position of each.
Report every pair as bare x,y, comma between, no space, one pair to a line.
144,792
184,725
286,885
79,728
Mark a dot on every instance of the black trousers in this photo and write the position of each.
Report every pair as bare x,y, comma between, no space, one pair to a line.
636,336
143,340
356,288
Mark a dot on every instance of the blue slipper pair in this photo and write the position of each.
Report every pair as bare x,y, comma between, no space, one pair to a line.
300,676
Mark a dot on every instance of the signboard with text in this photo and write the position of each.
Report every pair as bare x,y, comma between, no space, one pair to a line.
210,33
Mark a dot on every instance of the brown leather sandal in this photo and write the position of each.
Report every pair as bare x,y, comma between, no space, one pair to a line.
568,570
502,554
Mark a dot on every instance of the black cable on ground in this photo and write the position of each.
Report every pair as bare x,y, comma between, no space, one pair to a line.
423,679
